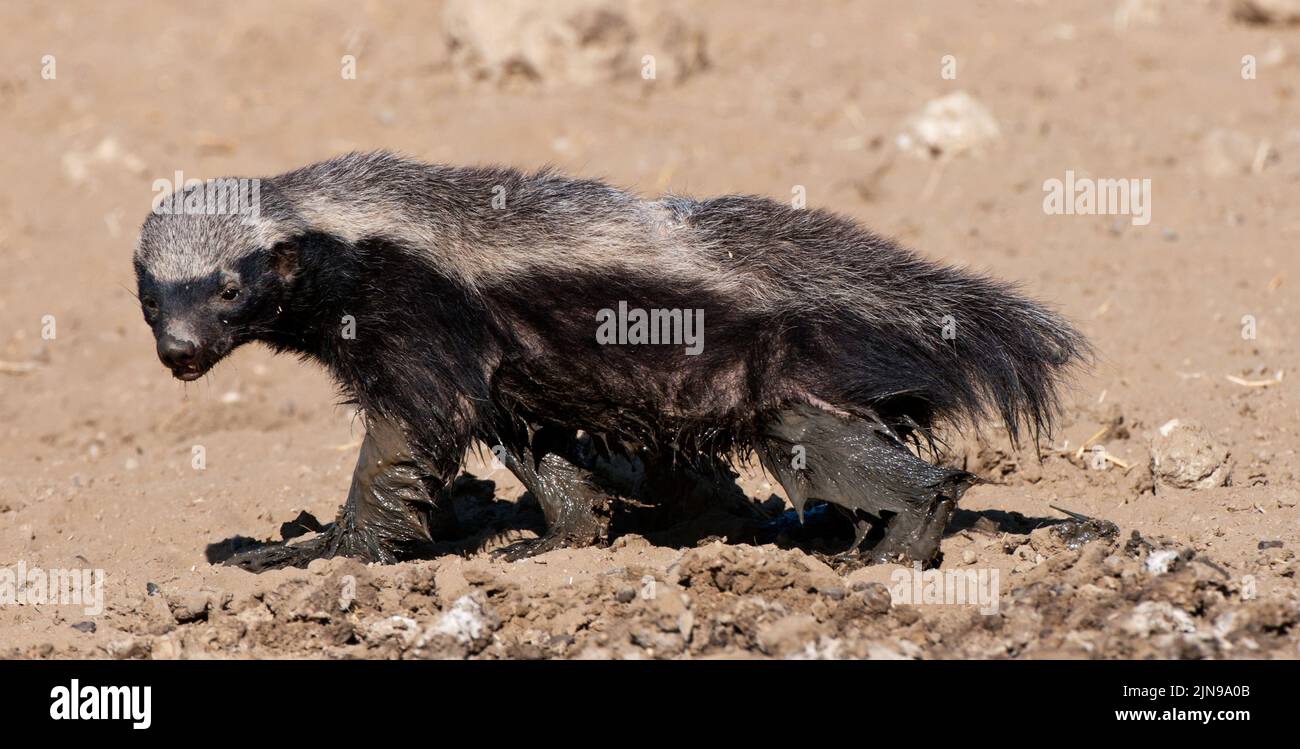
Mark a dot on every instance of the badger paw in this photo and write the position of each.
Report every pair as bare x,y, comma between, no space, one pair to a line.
549,541
276,555
332,541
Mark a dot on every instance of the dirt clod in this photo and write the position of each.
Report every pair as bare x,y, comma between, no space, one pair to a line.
1184,456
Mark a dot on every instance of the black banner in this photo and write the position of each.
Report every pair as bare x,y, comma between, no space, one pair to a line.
274,698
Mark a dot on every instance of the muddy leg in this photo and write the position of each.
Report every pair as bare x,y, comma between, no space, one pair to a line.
582,489
576,508
861,466
914,538
390,513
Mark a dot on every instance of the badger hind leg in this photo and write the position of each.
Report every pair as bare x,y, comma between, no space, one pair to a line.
863,467
390,513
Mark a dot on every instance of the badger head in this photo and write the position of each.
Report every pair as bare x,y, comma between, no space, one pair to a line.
211,277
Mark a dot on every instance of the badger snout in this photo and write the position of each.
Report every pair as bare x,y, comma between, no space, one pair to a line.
179,355
183,351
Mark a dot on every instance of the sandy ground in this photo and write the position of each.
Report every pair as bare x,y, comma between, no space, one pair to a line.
97,442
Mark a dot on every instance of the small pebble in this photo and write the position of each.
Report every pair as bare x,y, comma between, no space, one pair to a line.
877,599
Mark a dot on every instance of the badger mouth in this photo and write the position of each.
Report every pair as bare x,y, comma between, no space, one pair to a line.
201,365
189,366
190,372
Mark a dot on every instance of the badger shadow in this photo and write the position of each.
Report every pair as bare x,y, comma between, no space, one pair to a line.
485,522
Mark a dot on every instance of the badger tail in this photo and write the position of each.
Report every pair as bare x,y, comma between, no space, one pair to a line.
967,347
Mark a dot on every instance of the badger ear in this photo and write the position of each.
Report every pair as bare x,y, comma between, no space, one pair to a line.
284,258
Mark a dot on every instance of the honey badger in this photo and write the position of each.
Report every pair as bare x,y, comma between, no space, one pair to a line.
456,305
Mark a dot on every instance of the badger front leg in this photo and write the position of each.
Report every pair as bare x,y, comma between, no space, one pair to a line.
576,508
390,513
861,466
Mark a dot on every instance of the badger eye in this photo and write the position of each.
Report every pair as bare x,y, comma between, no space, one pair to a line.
230,293
149,304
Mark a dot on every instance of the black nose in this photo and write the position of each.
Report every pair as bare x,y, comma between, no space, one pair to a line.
176,353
